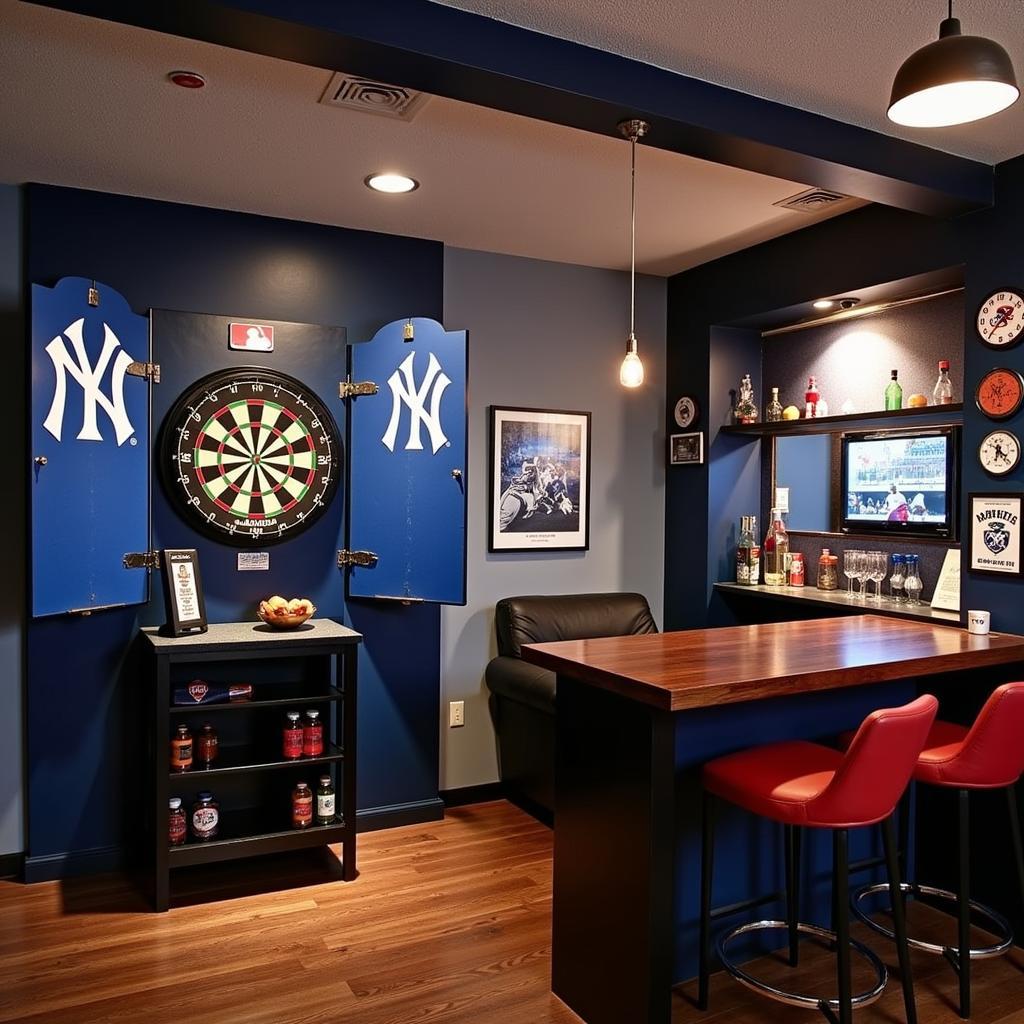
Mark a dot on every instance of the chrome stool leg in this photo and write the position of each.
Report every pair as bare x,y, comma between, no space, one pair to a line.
792,842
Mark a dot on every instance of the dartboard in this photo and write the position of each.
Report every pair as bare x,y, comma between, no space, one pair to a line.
250,456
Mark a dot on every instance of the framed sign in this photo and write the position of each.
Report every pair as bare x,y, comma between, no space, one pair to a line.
539,498
183,592
994,535
686,449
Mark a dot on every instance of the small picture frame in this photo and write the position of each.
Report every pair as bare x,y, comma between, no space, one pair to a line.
994,535
183,592
686,449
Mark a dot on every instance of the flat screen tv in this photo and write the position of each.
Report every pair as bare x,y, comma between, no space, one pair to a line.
900,483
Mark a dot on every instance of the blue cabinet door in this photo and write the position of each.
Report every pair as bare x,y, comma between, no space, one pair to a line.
407,464
89,463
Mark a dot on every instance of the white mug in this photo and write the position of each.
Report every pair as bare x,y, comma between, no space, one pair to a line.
977,622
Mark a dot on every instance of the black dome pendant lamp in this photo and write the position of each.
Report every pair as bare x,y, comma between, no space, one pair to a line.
954,80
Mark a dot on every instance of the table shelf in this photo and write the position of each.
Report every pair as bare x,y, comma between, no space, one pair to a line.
929,415
333,694
241,759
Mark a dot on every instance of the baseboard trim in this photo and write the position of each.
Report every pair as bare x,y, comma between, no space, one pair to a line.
11,865
372,819
464,795
52,866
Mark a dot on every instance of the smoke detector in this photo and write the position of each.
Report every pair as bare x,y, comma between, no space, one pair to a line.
812,200
372,97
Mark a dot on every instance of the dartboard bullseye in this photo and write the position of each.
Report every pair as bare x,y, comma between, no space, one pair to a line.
250,456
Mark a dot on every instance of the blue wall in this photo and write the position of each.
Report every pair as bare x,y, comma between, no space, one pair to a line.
80,687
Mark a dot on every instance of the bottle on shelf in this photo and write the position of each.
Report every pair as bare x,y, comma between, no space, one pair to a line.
325,803
181,750
312,734
775,552
302,806
899,569
748,554
291,748
828,571
773,414
206,745
797,572
177,826
811,398
893,394
912,580
746,407
942,394
205,817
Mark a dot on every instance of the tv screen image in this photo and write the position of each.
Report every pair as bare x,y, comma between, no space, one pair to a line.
898,480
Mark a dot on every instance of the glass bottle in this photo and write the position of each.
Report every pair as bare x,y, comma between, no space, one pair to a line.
746,407
943,391
912,580
893,394
181,750
291,748
312,734
899,568
828,571
302,806
748,554
811,397
177,826
325,803
776,552
797,572
206,745
773,414
205,817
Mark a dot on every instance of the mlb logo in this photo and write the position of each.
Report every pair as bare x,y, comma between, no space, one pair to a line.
251,337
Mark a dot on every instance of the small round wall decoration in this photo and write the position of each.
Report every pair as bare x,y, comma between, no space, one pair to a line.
999,452
1000,393
1001,319
686,412
250,456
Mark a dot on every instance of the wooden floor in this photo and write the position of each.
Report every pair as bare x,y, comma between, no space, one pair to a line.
447,923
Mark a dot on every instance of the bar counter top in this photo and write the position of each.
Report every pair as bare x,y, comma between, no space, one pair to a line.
702,667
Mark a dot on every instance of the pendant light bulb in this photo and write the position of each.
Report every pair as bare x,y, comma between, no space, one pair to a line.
631,372
955,80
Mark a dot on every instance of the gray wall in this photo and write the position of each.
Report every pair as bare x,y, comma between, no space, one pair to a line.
551,335
12,554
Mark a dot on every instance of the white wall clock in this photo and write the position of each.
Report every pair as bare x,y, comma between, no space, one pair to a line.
999,452
686,412
1001,319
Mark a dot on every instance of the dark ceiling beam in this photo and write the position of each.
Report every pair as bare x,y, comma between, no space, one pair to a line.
440,50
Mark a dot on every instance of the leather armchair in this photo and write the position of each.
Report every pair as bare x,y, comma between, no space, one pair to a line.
523,696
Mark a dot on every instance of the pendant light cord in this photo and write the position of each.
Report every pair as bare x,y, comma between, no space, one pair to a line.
632,232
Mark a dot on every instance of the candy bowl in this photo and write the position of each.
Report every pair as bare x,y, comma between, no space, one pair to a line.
278,613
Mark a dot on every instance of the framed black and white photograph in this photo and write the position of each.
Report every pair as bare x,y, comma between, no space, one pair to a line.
686,449
994,537
183,592
540,480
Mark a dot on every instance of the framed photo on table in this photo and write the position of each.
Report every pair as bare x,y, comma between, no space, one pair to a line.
183,592
994,537
539,497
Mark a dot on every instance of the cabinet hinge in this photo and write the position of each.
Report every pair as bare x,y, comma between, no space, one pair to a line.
353,389
151,371
367,559
141,560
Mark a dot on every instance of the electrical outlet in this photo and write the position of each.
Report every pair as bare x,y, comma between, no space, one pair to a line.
456,713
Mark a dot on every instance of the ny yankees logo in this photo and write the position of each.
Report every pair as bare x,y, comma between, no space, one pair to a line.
403,389
89,378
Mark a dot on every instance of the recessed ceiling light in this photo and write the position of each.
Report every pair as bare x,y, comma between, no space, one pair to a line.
824,303
391,183
187,79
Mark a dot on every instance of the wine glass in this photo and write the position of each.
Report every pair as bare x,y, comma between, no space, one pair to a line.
850,569
879,570
863,567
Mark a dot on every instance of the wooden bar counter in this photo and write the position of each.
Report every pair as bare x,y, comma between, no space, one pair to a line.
637,715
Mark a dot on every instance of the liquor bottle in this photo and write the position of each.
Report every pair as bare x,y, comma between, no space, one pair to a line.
899,566
893,394
748,554
943,392
912,580
811,397
776,552
325,803
774,411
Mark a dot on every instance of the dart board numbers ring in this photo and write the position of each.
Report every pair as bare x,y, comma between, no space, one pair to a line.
1000,319
250,456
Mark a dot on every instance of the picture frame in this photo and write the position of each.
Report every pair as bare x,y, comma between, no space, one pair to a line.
994,533
539,493
183,592
686,449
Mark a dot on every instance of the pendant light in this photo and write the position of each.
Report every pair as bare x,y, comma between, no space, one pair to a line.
954,80
631,373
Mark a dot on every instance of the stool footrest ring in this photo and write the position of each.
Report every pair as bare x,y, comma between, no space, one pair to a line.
827,1006
1002,929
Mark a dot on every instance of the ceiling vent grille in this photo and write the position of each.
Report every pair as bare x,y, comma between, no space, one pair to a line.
371,97
812,200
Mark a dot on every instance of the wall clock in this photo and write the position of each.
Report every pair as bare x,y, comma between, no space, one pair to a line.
999,452
686,412
1001,319
250,456
1000,393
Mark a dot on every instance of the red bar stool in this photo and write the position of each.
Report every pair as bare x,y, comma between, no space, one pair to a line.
989,755
806,785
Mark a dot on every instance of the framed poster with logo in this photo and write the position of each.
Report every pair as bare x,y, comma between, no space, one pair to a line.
994,536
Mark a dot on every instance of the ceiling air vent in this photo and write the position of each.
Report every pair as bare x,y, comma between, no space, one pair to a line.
812,200
372,97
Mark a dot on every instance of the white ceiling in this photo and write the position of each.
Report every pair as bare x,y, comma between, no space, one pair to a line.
86,103
834,57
